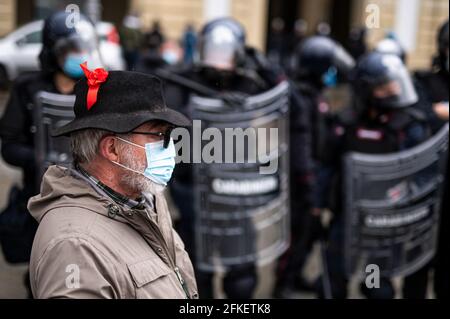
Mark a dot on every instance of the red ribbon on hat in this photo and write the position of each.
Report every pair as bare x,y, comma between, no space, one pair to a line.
94,80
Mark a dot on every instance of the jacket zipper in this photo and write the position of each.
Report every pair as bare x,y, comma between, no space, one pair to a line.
182,282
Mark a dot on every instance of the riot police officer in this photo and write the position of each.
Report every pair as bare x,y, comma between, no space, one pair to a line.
385,119
320,60
65,47
434,85
225,69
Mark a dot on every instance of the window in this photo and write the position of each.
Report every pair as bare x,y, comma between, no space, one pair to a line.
34,38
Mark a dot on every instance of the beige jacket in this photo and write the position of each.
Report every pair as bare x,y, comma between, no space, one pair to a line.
87,246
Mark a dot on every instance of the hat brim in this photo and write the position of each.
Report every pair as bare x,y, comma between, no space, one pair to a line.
122,123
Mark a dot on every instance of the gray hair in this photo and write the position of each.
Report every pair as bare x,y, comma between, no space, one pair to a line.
84,144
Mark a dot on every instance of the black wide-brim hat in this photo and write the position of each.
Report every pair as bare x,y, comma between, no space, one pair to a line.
124,101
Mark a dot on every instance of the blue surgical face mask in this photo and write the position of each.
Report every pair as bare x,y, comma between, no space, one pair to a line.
160,161
72,67
329,78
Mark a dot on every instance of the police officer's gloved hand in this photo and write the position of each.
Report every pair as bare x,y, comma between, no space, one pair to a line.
234,98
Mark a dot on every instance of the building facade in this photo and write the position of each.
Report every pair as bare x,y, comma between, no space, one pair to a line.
415,22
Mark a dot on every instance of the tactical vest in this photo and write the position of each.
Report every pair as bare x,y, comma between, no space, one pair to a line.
372,140
387,135
320,118
383,137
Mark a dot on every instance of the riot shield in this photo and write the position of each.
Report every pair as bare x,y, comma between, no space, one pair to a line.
392,205
242,214
51,111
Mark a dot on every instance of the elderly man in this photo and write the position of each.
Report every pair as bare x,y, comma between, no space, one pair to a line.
104,226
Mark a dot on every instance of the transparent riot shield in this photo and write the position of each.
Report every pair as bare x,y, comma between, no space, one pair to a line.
242,210
392,206
52,111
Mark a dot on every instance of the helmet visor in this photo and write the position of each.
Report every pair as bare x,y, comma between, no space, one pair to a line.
396,89
83,41
219,49
343,61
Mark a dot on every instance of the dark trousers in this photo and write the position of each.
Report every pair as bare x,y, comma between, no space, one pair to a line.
416,285
23,157
305,230
336,268
239,282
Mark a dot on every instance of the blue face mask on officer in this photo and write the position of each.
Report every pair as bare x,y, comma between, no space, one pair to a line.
330,78
160,161
71,66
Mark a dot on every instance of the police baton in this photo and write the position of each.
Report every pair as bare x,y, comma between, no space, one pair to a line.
326,282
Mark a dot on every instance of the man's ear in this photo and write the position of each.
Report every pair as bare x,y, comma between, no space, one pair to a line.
108,148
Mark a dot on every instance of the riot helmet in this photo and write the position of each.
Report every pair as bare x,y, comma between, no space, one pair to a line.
383,81
320,57
391,46
222,45
68,42
323,29
443,47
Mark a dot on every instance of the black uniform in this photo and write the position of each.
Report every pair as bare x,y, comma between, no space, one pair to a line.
309,113
17,138
387,118
310,120
435,90
63,46
389,133
17,129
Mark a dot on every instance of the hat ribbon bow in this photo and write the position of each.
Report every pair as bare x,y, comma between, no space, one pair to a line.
94,80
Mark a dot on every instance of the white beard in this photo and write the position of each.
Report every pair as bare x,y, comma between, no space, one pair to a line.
135,181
